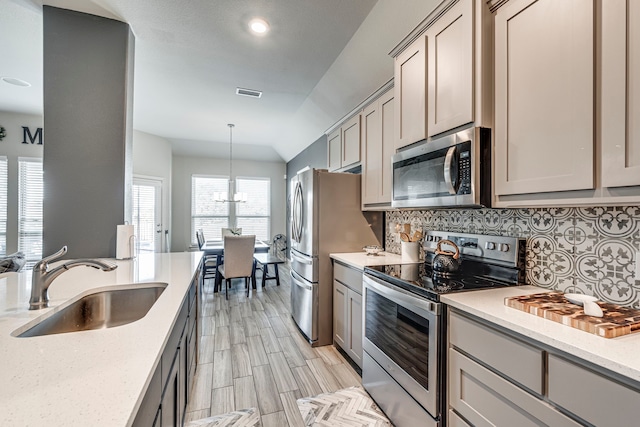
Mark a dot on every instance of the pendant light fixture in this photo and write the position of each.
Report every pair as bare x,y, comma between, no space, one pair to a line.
223,197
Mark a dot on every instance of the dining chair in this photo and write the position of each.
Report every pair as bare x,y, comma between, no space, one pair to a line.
210,263
238,260
231,232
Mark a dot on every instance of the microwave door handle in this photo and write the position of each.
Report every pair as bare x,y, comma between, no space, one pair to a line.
448,169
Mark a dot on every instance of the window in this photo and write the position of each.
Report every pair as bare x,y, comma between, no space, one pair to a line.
3,205
30,196
254,216
206,214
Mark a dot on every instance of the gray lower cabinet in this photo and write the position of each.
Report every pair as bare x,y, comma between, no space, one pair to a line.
498,378
596,398
347,310
168,393
484,398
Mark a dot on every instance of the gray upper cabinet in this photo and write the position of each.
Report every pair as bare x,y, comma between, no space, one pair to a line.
620,112
410,86
443,72
378,145
567,103
450,69
544,138
344,145
334,144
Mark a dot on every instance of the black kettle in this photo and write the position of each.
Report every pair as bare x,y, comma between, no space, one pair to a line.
446,263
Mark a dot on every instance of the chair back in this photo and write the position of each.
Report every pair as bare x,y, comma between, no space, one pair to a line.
200,238
238,256
231,232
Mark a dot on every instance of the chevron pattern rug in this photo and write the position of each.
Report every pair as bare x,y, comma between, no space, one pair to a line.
345,408
244,418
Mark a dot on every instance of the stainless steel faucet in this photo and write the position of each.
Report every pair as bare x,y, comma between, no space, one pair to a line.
42,276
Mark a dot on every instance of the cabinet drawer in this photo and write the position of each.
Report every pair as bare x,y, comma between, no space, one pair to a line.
350,277
174,340
486,399
519,361
591,396
455,420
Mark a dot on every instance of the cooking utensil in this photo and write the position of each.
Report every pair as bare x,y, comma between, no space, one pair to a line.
404,237
446,262
417,235
407,229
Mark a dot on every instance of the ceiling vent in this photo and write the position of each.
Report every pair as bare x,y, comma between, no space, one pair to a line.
248,92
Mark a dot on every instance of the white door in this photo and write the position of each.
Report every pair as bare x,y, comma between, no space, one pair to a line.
147,214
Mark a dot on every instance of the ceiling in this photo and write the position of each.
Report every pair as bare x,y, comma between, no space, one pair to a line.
189,58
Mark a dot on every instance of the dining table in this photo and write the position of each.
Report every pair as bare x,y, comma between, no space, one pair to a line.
216,248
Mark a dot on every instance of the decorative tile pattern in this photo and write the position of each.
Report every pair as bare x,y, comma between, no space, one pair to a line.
582,250
348,407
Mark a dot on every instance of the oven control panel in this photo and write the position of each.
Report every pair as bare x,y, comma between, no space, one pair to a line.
507,250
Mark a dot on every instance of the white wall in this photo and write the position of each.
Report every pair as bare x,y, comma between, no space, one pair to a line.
152,158
12,147
185,167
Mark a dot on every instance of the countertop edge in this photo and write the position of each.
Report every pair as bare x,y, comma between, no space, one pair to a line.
360,260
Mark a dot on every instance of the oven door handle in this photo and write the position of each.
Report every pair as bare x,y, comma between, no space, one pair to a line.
448,170
400,295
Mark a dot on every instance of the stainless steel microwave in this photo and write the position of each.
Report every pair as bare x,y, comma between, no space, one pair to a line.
450,171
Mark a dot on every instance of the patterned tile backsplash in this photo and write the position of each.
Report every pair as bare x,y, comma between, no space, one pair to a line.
581,250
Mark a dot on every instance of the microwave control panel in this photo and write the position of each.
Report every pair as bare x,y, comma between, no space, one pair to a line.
464,168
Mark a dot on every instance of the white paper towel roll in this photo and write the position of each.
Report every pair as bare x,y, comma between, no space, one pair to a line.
125,242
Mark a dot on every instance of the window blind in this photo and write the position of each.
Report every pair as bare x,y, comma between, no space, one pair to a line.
3,205
254,216
30,197
206,214
144,218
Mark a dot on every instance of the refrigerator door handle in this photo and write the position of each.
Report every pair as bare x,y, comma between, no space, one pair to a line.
299,281
297,212
301,260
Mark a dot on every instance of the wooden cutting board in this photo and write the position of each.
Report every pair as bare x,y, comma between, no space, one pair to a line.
617,320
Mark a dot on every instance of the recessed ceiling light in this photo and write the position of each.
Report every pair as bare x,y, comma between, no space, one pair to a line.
259,26
16,82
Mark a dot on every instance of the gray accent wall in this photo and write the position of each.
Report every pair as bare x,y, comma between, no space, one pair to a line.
88,90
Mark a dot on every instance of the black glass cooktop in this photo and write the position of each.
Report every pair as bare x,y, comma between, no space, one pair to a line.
418,278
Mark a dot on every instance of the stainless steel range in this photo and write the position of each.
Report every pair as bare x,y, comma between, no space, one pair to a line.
404,322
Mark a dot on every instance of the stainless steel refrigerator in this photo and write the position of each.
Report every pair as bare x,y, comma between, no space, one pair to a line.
326,218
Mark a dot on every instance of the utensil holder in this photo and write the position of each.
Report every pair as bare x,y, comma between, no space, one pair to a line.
410,251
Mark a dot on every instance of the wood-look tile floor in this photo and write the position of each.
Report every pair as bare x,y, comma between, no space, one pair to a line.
252,355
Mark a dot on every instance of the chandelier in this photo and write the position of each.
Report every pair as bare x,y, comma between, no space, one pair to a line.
225,197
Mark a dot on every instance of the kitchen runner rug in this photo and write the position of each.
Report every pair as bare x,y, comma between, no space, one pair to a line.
243,418
349,407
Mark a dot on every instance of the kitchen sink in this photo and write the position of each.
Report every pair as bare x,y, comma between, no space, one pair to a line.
99,310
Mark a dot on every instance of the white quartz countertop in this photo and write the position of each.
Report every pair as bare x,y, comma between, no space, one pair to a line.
88,378
619,354
360,260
